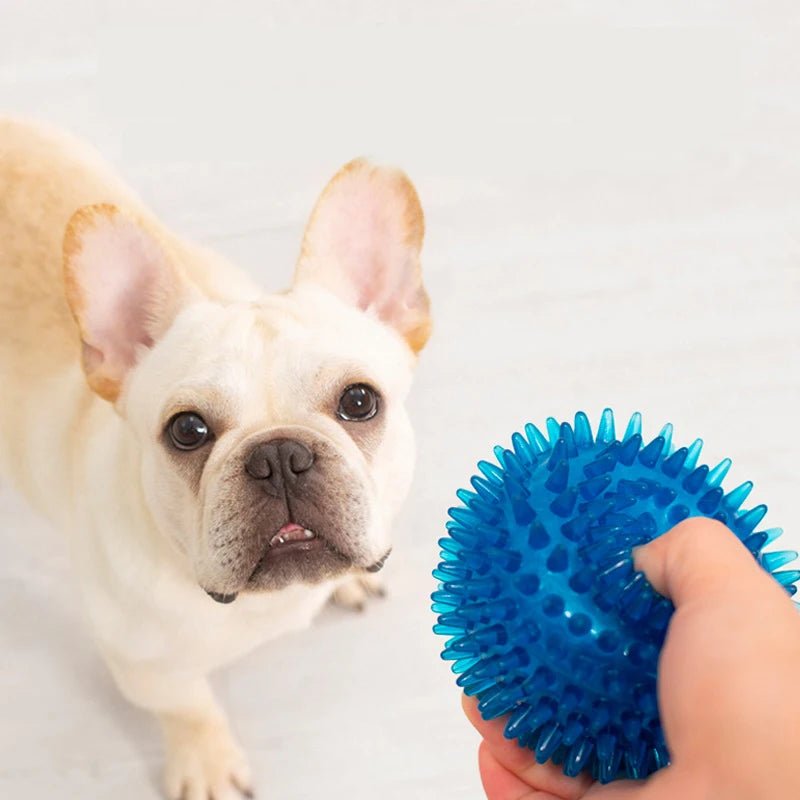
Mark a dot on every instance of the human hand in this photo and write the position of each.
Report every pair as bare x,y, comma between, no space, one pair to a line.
729,693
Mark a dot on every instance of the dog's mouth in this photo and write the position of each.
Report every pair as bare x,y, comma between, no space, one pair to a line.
292,536
289,547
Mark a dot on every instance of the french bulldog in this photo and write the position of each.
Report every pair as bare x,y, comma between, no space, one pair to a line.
221,460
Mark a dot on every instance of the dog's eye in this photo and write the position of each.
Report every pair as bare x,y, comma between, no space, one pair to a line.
188,431
358,403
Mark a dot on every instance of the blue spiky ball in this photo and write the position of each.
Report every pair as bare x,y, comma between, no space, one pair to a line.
547,620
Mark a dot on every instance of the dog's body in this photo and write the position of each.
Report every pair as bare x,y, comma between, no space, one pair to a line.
110,355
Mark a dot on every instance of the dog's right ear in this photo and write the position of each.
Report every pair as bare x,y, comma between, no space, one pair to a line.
363,243
123,290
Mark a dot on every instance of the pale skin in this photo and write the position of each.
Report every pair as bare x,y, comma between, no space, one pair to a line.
728,679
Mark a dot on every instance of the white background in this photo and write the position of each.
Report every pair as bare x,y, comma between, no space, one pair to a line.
613,207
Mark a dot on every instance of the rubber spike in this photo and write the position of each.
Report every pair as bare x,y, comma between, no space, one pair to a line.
608,757
661,756
549,740
487,512
634,426
773,534
693,454
737,496
499,454
574,729
717,475
542,713
664,497
605,430
592,487
709,502
553,430
650,454
673,465
523,450
600,466
536,438
487,490
578,757
447,630
636,761
450,545
497,701
513,467
492,472
575,529
778,559
695,480
568,437
583,431
464,516
629,450
462,664
754,542
748,521
563,505
666,434
518,722
787,577
466,497
476,668
521,509
559,453
559,478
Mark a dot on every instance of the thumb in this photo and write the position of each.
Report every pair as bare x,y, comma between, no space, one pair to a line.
702,560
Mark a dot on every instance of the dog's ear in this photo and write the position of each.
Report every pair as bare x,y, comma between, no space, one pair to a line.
122,290
363,242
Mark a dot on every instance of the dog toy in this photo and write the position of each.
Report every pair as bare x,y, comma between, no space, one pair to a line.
547,619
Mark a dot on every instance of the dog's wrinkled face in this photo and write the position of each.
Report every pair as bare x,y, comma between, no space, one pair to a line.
275,446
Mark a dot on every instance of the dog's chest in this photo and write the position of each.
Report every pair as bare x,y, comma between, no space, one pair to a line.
186,629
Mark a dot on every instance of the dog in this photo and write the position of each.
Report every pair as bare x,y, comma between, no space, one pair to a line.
222,460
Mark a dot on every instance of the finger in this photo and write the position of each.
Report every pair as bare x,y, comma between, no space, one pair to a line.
702,559
501,784
546,778
666,784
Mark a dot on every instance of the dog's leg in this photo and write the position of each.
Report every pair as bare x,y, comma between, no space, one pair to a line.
204,761
354,591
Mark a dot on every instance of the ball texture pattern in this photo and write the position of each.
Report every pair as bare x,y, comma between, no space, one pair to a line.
546,618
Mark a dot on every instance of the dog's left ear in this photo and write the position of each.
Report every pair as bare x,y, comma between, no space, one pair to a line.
363,242
123,290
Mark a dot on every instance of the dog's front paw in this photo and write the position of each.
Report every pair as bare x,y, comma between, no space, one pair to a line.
354,592
204,762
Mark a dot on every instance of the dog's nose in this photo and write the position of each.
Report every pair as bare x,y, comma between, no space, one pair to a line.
278,462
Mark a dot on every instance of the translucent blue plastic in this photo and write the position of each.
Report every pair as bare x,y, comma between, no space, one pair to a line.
547,620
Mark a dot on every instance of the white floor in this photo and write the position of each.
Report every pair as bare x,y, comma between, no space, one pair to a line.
613,219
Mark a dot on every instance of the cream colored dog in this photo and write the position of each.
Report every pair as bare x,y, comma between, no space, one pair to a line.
222,460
